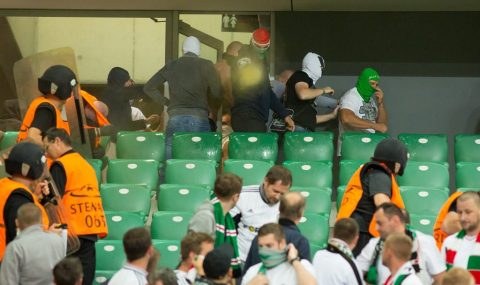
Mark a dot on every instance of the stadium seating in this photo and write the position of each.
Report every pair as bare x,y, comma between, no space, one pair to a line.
101,276
347,169
423,223
252,172
206,145
467,148
319,200
426,147
468,175
133,171
109,255
311,173
315,227
120,222
170,225
312,146
178,197
422,200
125,197
426,174
314,248
141,145
169,251
253,146
340,192
360,146
9,139
190,171
97,165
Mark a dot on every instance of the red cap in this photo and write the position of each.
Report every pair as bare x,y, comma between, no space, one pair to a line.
261,38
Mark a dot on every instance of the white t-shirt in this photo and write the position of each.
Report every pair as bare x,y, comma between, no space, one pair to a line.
130,275
332,269
465,247
411,279
430,260
186,278
137,114
255,213
352,101
283,274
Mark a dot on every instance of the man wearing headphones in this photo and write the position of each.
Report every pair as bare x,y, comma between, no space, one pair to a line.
25,164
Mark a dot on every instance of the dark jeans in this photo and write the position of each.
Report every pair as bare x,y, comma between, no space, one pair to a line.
183,123
86,254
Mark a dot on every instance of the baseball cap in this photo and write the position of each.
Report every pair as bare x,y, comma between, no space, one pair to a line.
217,262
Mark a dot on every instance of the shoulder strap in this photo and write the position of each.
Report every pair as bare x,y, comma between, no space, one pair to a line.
333,249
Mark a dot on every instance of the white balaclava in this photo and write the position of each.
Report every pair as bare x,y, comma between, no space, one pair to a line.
312,65
191,44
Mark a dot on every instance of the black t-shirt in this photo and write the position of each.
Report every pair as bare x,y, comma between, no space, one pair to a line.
375,181
44,118
304,114
17,198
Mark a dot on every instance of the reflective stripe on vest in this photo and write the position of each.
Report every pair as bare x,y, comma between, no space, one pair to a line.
30,115
81,199
7,186
354,192
438,234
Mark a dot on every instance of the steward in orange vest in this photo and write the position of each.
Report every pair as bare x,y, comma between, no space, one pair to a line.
77,184
449,206
25,164
371,185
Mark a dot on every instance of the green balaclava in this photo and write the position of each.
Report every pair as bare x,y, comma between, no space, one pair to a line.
271,257
363,84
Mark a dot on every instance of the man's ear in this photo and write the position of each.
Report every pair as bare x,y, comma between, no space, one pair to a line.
17,223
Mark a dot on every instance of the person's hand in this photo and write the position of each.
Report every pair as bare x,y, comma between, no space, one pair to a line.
292,252
153,121
198,264
260,279
290,124
335,112
328,90
55,228
379,127
379,95
41,189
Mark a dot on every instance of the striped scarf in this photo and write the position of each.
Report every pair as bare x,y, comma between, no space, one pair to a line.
473,265
225,232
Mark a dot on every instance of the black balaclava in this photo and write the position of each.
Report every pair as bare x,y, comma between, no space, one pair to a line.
117,77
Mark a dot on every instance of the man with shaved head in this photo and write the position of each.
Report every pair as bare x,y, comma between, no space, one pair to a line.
462,249
292,207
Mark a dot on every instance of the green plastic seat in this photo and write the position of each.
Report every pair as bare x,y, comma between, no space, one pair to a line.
313,146
8,140
141,145
468,175
120,222
426,147
104,141
252,172
109,255
315,227
253,146
190,171
467,148
347,169
101,276
426,174
422,200
310,173
177,197
360,146
205,145
465,189
170,225
3,173
319,200
133,171
423,223
314,248
340,192
169,252
97,165
126,198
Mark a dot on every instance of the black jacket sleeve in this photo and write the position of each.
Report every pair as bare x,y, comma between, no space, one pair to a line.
17,198
59,177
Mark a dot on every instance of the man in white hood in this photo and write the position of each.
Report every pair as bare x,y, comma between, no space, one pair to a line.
301,94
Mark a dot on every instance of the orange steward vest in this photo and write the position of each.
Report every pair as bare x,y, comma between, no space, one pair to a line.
7,186
30,115
88,99
438,234
354,192
81,199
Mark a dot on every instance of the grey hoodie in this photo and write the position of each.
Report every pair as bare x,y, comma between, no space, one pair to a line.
203,220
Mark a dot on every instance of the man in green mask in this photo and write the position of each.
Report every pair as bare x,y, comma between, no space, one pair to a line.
280,263
359,111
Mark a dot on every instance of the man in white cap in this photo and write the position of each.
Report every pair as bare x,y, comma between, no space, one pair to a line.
301,94
191,81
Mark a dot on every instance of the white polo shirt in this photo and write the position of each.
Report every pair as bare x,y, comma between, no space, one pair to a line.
283,274
411,279
430,260
130,275
255,213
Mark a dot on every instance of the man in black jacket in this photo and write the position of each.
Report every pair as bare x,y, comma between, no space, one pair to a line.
292,206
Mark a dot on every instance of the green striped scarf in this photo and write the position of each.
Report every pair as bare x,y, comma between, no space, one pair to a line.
225,232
